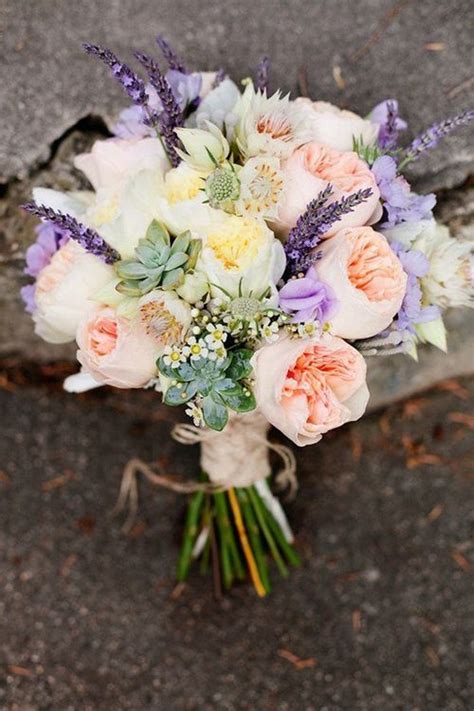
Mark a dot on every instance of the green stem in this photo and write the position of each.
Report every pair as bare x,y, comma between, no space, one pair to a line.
260,514
254,537
190,533
206,522
224,548
228,533
290,553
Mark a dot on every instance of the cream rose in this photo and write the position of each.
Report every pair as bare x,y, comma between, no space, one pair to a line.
309,170
335,127
367,279
241,255
306,387
111,163
64,290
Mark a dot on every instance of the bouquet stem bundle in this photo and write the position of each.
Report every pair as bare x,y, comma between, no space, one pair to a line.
236,532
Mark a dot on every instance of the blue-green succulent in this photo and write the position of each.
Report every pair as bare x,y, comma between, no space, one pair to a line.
159,261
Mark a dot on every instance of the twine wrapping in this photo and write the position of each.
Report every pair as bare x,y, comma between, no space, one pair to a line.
236,457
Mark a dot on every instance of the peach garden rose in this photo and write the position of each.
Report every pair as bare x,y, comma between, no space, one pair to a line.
367,279
306,387
115,350
310,169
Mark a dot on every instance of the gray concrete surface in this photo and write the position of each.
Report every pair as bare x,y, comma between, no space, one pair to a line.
380,47
380,613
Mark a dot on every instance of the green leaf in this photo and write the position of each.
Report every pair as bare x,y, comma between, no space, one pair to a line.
129,288
176,260
184,372
193,252
179,394
181,242
129,269
173,279
235,396
157,233
166,369
215,414
240,367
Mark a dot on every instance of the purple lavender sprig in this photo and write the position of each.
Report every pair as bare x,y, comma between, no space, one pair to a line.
171,116
170,55
131,83
388,136
313,223
85,236
432,135
261,80
219,78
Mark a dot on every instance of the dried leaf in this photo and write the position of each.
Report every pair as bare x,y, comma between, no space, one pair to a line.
463,563
297,662
434,46
435,513
338,78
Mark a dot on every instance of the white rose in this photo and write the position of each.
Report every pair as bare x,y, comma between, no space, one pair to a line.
64,291
336,127
450,279
111,163
123,218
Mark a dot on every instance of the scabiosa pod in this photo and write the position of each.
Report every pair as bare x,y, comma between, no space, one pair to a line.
171,116
430,137
85,236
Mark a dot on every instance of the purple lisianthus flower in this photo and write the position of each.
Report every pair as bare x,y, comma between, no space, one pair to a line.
28,297
399,202
49,239
308,299
185,88
412,311
386,115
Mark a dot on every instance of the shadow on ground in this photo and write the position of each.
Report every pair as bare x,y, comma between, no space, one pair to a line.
378,617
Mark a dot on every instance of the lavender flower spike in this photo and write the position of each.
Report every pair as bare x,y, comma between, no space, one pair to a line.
85,236
430,138
313,223
131,83
171,116
169,54
261,80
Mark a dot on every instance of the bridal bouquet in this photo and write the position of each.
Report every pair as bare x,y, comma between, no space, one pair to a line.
243,254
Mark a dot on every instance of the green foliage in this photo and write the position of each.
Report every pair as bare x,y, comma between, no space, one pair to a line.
215,382
159,262
368,153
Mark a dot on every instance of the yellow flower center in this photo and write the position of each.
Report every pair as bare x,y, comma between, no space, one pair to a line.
236,243
182,185
161,324
196,349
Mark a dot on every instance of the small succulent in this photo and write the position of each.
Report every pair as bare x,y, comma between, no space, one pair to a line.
159,262
214,383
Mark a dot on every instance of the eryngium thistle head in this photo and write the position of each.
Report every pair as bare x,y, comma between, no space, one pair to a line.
222,187
158,262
